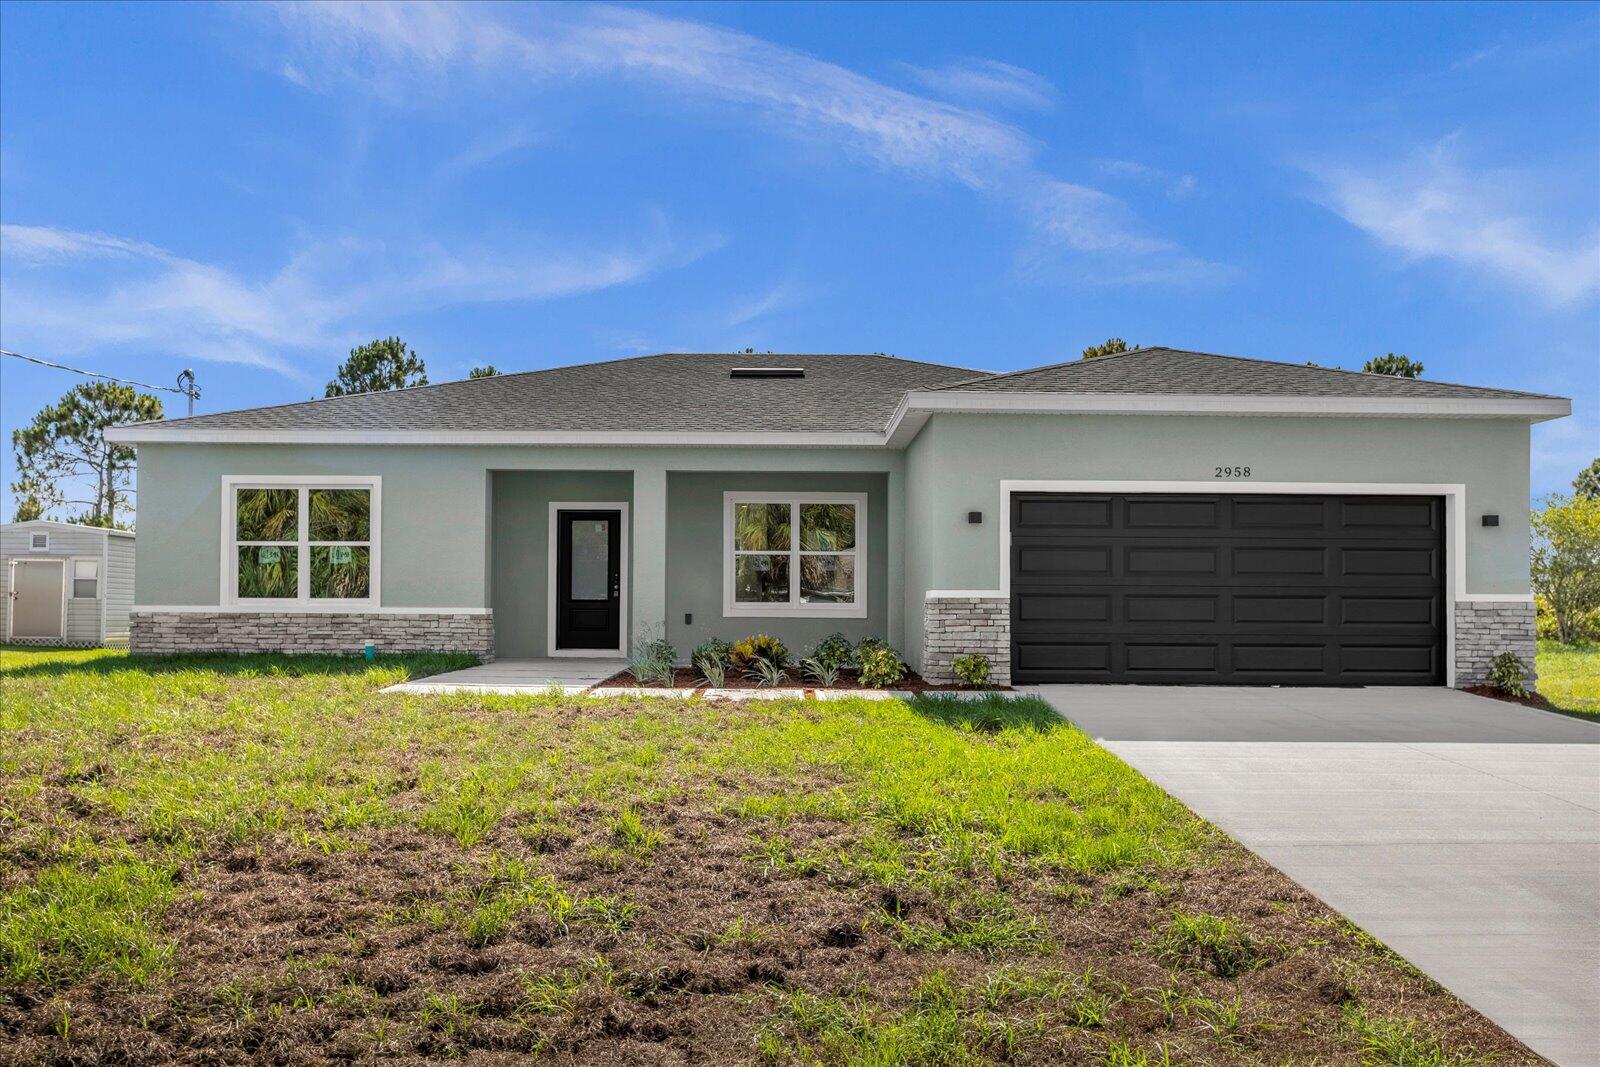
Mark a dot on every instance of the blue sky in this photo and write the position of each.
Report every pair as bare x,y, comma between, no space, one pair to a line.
251,190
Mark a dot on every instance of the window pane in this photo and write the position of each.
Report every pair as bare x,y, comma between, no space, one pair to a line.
85,588
85,568
761,579
268,571
591,560
761,527
339,515
268,515
827,527
340,571
827,579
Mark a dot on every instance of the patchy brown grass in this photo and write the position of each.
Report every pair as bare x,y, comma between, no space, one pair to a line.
295,867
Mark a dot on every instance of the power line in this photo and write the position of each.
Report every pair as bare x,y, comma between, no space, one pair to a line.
190,390
92,374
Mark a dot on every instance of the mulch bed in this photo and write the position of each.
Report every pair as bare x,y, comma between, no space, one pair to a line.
687,678
1532,700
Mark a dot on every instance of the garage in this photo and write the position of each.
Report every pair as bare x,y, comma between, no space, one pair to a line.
1227,589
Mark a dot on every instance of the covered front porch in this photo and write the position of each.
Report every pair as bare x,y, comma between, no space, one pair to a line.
586,563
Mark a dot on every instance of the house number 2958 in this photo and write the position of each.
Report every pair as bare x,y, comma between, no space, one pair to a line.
1232,472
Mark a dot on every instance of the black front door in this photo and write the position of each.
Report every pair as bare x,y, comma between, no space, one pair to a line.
588,579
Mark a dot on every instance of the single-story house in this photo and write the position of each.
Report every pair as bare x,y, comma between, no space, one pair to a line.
62,583
1156,516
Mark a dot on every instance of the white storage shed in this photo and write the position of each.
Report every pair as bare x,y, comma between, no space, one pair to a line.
65,584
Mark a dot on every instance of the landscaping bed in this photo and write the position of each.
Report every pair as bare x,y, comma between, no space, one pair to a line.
270,860
686,678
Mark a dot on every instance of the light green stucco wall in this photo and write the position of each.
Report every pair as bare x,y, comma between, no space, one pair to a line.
694,547
520,548
437,508
958,461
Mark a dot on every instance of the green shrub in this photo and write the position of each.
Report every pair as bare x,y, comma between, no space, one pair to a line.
1509,674
711,648
835,651
972,669
712,669
764,672
744,654
881,666
651,661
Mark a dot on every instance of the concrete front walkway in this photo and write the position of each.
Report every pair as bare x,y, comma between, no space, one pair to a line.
1464,832
571,674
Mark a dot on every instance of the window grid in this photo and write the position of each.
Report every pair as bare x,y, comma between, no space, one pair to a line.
302,546
855,607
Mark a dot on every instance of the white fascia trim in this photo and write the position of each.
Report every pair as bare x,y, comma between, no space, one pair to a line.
137,435
1494,598
1455,527
301,609
917,405
943,594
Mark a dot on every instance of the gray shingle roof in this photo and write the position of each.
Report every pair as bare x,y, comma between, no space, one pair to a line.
672,392
692,392
1170,371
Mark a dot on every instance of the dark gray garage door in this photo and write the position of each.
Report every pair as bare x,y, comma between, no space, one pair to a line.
1227,589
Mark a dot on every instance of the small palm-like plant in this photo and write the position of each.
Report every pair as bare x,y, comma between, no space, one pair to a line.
764,672
819,671
713,669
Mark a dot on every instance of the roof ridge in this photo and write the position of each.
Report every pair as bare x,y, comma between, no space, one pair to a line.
1242,359
1145,350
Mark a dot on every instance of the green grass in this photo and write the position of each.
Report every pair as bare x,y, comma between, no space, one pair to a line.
1569,676
960,849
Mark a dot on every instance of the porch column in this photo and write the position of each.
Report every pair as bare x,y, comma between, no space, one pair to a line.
894,563
648,596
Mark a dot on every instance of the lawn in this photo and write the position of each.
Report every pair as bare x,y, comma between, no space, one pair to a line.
232,859
1569,676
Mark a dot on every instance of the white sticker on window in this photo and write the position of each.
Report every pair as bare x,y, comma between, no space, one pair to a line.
269,555
342,554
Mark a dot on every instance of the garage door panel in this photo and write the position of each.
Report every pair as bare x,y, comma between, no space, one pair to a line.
1167,513
1187,561
1089,512
1221,588
1279,561
1065,608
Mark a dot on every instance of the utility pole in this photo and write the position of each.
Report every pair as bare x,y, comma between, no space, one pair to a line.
188,388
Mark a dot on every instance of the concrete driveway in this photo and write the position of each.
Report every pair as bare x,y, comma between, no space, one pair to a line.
1464,832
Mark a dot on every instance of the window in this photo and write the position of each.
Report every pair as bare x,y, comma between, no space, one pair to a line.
38,542
85,579
294,542
800,554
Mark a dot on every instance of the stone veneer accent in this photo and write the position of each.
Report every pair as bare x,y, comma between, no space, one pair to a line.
1486,628
169,632
960,625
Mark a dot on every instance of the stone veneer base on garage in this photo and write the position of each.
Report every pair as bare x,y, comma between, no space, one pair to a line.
173,632
960,625
1486,628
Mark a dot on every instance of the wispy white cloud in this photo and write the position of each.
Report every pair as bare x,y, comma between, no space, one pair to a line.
1176,186
394,49
86,290
987,81
780,297
1431,207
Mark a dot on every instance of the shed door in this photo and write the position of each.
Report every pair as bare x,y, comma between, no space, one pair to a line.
1227,589
36,598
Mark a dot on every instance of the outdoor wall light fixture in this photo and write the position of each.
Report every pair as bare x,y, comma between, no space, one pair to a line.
1491,520
975,517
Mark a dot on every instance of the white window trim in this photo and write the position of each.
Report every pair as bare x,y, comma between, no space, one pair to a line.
794,609
73,579
230,557
550,590
39,533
